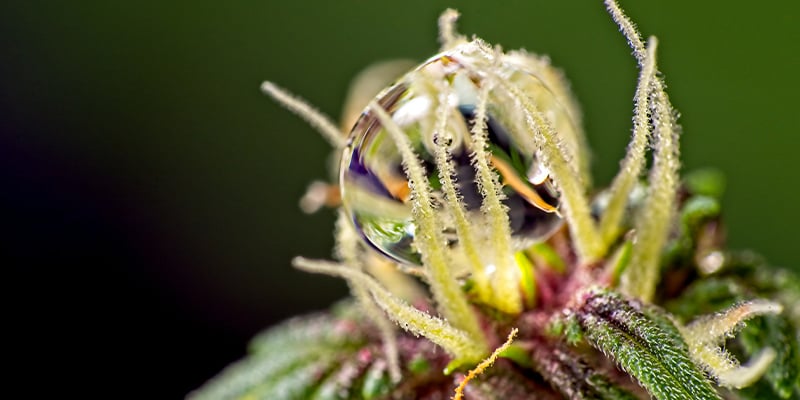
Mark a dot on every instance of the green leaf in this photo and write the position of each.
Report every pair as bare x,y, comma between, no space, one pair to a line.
376,382
608,390
781,285
292,360
644,344
706,296
337,328
707,182
547,256
775,331
695,211
619,261
569,374
762,390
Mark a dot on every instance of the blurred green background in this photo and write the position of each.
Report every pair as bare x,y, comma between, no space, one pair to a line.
151,190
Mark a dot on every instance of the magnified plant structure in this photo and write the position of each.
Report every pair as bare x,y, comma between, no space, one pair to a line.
483,264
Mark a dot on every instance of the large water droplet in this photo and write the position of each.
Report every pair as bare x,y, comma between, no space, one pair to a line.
375,189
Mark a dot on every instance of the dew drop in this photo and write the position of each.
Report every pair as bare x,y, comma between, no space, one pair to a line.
375,189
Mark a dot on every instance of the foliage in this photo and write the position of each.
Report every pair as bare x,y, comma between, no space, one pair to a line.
634,296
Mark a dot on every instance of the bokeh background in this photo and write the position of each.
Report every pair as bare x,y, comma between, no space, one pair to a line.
150,191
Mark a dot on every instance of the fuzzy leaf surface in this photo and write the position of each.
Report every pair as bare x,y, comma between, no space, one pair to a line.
645,345
304,358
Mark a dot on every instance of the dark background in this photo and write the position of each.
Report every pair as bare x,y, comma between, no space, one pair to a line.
149,190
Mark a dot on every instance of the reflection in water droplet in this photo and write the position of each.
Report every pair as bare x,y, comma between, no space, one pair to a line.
375,188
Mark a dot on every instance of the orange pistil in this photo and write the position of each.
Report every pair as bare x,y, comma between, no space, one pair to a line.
486,363
512,179
398,188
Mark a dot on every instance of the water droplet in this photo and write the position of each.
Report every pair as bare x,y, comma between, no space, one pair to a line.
376,191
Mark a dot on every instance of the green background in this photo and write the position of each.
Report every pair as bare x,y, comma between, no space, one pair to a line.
147,170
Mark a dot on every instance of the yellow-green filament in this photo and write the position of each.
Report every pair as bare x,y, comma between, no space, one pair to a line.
447,292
